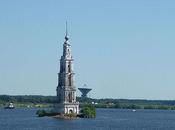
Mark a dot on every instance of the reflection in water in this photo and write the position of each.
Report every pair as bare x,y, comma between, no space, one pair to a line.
107,119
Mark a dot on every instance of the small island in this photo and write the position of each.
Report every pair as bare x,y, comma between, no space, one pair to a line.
88,111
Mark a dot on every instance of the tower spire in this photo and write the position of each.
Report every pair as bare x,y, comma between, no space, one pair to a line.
66,29
66,37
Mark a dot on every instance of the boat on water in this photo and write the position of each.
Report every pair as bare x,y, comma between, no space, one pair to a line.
9,106
134,110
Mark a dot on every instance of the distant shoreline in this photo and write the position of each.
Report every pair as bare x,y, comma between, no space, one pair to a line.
36,101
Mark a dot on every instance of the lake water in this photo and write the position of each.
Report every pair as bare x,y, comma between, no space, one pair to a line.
107,119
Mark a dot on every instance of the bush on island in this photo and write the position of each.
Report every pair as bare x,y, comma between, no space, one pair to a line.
42,113
88,111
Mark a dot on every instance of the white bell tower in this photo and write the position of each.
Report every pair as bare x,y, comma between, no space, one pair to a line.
66,91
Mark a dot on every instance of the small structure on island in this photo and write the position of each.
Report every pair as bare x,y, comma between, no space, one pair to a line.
84,91
66,90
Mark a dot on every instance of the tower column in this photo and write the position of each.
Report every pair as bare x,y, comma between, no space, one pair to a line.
66,92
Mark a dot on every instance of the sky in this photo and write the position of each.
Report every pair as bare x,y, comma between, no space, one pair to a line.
121,48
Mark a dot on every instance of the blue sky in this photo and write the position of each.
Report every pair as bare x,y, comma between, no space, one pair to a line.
122,48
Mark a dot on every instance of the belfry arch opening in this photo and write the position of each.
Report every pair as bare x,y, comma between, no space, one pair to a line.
70,97
69,68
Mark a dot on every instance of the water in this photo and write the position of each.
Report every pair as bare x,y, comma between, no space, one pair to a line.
107,119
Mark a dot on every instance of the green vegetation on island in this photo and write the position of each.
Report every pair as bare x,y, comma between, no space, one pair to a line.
42,113
88,111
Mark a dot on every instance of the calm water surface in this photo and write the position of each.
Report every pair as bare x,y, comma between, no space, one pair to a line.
107,119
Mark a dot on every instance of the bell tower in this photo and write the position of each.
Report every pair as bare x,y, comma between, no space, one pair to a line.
66,91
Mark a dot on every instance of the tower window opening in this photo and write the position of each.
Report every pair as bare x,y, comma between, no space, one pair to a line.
70,83
70,97
69,68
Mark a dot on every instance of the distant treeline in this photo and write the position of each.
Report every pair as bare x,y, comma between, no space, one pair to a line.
27,99
99,103
131,103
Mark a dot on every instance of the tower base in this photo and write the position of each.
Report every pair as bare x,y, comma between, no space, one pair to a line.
67,108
